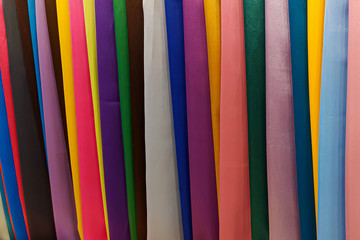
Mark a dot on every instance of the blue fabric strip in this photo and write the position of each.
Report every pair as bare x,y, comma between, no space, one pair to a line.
175,36
331,212
304,167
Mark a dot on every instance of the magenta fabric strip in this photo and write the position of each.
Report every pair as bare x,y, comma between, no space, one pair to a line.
58,162
201,152
281,166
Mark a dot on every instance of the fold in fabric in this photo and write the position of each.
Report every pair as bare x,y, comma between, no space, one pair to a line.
315,27
4,66
234,205
135,25
163,200
69,98
122,51
114,168
34,169
299,68
204,204
254,24
90,28
58,162
91,196
175,37
6,231
331,209
51,18
281,165
352,150
212,19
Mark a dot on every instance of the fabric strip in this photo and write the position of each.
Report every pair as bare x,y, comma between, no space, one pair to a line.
27,116
58,162
331,209
122,51
91,196
201,152
110,115
90,28
135,21
175,37
163,200
234,205
299,68
212,19
5,224
281,165
4,66
254,21
315,27
69,98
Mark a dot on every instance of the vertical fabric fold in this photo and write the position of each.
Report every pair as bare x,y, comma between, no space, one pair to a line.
33,162
213,22
91,193
135,25
281,165
6,231
331,209
122,52
175,40
303,153
254,27
163,200
112,136
234,204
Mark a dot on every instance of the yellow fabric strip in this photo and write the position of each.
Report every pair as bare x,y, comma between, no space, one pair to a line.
90,27
315,47
69,97
212,19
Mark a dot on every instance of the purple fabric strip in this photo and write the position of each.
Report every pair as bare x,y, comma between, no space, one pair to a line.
281,165
113,151
201,152
58,162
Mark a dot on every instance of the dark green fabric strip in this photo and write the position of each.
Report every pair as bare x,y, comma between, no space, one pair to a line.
254,20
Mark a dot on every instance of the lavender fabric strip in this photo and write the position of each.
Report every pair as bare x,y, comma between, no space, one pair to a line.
281,165
59,171
113,150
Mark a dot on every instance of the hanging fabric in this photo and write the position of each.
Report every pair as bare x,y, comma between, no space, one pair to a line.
212,20
90,28
175,39
6,231
122,51
163,200
135,25
281,165
34,169
304,166
254,21
69,99
114,166
91,195
315,27
331,211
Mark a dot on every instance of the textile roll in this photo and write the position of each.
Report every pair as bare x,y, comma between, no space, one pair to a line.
113,158
122,51
331,209
254,21
90,28
91,196
212,20
281,165
135,22
304,166
69,98
34,169
163,200
175,37
6,231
